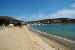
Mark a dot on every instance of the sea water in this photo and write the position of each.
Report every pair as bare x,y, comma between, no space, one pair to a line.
62,30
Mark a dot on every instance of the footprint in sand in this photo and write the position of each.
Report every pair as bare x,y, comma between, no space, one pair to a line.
52,46
37,41
1,33
49,44
38,44
43,39
57,49
39,48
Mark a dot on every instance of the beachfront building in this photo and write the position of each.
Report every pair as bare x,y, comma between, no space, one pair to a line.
56,21
53,21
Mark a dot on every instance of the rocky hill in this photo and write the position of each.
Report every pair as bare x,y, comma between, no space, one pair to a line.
6,20
54,21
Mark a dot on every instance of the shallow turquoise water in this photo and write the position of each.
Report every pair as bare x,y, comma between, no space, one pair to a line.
63,30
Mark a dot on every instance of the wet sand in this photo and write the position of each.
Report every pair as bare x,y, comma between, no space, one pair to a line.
52,42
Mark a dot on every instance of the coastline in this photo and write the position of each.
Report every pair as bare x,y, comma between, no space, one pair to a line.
16,38
62,41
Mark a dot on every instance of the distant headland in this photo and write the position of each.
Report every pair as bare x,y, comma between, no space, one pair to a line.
53,21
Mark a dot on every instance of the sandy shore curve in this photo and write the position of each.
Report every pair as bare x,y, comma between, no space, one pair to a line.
16,38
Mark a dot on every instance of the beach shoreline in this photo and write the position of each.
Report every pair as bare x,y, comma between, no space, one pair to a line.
62,41
16,38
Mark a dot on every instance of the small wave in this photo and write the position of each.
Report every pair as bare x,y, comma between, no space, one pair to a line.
62,38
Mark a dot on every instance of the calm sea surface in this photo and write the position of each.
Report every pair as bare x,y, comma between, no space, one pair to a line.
63,30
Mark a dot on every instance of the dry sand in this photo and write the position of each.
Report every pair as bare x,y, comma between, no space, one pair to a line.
15,38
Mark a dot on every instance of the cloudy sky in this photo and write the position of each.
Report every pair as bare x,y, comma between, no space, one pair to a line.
30,10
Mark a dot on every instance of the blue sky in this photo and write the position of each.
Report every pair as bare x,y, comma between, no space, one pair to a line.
31,10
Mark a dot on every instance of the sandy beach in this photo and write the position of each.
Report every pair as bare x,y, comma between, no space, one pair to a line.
16,38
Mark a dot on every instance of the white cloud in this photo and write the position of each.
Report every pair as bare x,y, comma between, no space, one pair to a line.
27,18
20,17
73,5
65,13
31,17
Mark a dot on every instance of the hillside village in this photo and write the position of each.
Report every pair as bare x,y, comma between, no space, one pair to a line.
53,21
